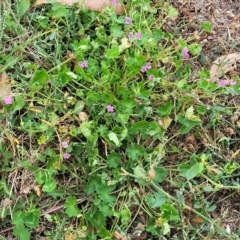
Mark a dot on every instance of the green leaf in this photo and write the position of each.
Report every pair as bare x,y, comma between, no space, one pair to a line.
160,174
39,80
183,168
116,31
18,218
114,138
204,73
194,171
187,124
141,175
113,52
104,191
114,160
125,215
49,186
18,103
135,151
59,11
21,232
207,26
32,218
172,12
156,200
70,206
22,7
78,107
165,110
41,177
195,49
169,212
85,129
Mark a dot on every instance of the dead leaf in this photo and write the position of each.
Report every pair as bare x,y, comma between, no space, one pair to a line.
94,5
25,190
6,202
83,116
165,122
119,236
223,64
197,220
5,85
38,190
229,131
70,236
124,45
189,148
151,174
234,154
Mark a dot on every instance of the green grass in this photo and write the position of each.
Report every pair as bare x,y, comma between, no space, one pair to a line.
136,143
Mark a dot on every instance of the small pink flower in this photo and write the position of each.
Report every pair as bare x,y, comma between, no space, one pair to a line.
84,64
65,144
185,53
138,35
148,65
130,35
128,20
232,82
143,69
223,82
66,155
151,77
8,100
110,108
114,2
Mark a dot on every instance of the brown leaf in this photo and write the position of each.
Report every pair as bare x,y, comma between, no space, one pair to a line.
223,65
70,236
119,236
197,220
94,5
83,116
25,190
234,154
165,122
124,45
38,190
151,174
5,85
229,131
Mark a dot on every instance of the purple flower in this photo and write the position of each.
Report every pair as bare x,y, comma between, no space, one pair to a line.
130,35
66,155
223,82
185,53
84,64
148,65
110,108
8,100
143,69
65,144
232,82
114,2
138,35
128,20
151,77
